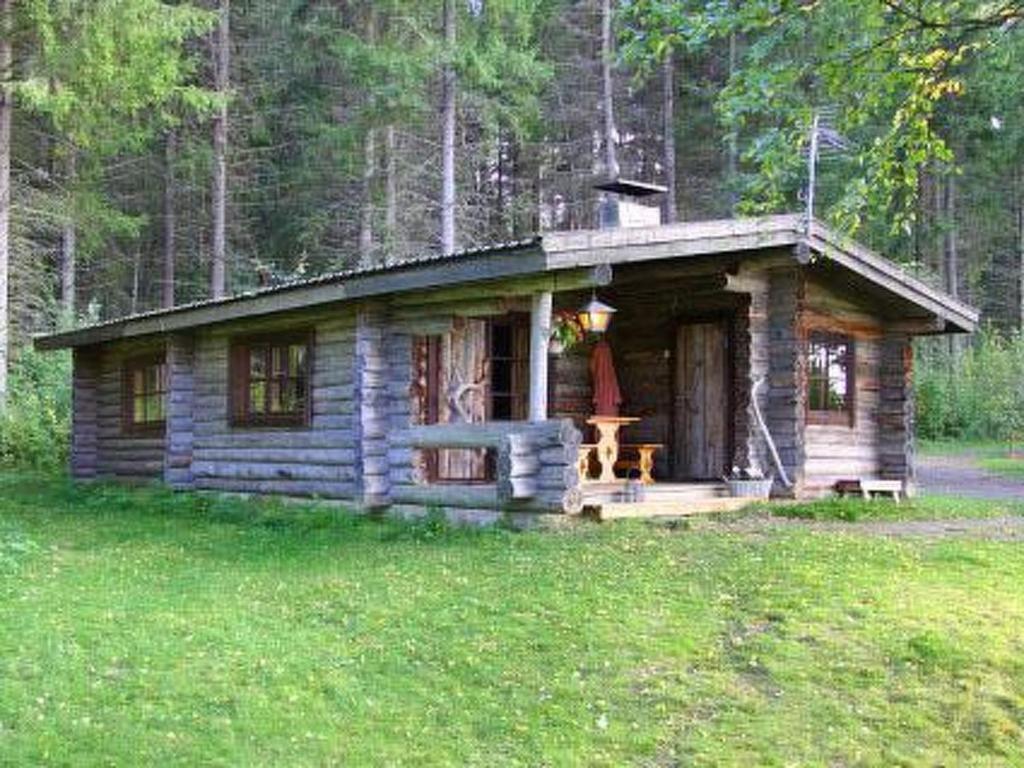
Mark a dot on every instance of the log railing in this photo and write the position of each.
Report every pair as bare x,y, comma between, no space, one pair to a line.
535,463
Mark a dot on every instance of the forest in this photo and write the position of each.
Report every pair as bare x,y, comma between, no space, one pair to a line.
154,153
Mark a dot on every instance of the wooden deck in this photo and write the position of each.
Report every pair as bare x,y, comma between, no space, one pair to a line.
612,501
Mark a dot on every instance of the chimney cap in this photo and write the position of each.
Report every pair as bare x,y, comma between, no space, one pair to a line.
631,188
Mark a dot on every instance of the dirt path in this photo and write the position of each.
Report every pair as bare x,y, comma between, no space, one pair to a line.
959,475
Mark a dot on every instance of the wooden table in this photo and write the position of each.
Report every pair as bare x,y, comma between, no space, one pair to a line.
608,442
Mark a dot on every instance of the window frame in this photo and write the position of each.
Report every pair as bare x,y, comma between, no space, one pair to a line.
515,323
129,366
846,417
239,380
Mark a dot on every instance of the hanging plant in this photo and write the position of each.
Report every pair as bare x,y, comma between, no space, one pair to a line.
566,332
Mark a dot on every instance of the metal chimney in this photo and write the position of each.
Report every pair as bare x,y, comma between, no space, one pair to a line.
620,204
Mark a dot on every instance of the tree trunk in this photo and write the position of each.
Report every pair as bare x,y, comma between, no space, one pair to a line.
668,107
221,63
951,265
136,267
732,157
369,166
950,255
611,162
366,209
391,190
68,240
170,222
1020,249
6,107
448,132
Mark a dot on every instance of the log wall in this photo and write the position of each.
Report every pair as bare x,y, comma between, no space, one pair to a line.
319,460
750,365
120,453
179,434
879,442
361,445
84,423
836,452
784,407
896,409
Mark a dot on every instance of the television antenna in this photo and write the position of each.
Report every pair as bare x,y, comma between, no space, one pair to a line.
824,141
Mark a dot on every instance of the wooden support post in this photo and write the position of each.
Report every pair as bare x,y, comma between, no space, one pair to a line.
540,332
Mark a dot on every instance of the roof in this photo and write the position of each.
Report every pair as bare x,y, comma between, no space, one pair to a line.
551,253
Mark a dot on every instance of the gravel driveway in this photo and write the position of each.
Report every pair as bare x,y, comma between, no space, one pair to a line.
959,475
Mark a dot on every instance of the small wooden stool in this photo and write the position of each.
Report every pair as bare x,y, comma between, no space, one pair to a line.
644,461
867,488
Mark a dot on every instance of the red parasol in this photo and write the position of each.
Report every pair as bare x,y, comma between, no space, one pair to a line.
607,396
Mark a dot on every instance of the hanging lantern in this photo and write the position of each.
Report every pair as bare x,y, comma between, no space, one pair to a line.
595,315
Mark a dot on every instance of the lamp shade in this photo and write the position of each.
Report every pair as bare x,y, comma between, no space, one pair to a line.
595,316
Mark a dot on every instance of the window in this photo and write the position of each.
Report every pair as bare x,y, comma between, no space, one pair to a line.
830,381
509,361
145,394
270,380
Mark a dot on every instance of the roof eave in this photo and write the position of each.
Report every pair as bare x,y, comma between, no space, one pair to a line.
480,266
957,316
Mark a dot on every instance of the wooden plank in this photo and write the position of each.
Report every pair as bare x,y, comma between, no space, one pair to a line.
652,509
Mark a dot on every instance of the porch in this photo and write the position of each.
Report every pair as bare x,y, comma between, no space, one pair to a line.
620,500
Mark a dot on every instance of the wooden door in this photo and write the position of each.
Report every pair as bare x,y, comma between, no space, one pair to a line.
702,402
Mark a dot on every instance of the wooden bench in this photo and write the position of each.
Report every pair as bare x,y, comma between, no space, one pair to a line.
868,488
643,461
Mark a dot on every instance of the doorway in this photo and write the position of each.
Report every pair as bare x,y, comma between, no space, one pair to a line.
702,401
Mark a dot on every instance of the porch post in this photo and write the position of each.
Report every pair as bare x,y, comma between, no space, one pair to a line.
540,332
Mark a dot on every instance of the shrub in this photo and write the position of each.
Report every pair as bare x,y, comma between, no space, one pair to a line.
35,424
974,394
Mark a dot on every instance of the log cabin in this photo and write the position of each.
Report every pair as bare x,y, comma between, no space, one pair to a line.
769,343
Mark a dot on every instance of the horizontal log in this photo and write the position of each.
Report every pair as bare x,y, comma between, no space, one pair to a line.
333,421
272,471
558,476
447,495
328,407
375,465
523,466
234,454
130,468
333,392
483,435
512,488
318,489
133,444
276,438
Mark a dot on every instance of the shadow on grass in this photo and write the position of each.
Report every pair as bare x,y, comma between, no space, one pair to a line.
55,497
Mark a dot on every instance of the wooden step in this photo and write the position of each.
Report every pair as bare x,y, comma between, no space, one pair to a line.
670,508
596,494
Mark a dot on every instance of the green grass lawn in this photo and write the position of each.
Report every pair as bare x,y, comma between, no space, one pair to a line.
919,508
139,627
